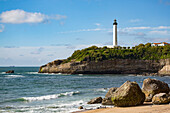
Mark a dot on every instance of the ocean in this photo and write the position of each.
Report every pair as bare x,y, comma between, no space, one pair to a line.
28,91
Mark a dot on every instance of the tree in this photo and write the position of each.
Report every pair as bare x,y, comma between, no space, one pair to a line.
145,52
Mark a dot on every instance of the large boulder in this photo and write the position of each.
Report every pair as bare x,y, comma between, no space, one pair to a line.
10,71
152,86
96,100
129,94
107,100
161,98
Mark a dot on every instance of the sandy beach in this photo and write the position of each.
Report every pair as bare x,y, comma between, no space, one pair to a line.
146,108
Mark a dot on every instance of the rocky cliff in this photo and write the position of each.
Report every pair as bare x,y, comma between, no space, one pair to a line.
116,66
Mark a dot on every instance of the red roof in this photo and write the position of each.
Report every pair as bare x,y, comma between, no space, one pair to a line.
161,43
164,43
156,43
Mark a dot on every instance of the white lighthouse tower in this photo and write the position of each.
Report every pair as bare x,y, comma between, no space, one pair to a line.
115,33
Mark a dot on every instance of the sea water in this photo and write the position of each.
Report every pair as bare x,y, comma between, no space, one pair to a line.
28,91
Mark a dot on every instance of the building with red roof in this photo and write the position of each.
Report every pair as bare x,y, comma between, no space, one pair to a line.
160,44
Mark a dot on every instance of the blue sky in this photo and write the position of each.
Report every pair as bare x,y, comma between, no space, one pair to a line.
35,32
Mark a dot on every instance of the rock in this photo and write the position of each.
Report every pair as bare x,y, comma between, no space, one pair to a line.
151,87
80,107
114,66
111,91
165,71
107,100
129,94
95,100
161,98
10,71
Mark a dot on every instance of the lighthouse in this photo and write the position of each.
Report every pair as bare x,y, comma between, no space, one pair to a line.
115,33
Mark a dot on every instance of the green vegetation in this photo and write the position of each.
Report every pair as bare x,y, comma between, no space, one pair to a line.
144,52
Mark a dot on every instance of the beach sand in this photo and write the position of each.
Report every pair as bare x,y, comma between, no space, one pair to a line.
146,108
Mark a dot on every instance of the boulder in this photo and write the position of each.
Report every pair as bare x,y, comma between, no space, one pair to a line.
80,107
95,100
161,98
129,94
111,91
107,100
151,87
10,71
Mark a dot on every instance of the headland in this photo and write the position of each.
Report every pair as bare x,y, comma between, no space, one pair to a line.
141,59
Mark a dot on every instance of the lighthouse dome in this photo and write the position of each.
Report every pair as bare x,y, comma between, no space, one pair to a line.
115,23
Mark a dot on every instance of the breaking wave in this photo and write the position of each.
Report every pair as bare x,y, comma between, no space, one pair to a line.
13,76
48,97
101,89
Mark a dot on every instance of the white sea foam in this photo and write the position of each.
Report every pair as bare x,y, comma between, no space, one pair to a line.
80,74
74,103
32,72
101,89
63,107
131,75
13,76
48,97
2,72
46,73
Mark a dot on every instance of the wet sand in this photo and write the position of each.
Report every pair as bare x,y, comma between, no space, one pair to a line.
146,108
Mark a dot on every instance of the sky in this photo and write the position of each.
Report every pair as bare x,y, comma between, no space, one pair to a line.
35,32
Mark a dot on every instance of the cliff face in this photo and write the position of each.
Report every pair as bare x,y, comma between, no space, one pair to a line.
117,66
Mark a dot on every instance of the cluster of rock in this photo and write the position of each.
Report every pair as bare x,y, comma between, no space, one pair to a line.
10,71
115,66
130,94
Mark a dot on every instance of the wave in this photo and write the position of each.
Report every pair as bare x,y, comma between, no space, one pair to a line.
14,100
32,73
67,105
13,76
101,89
48,97
45,73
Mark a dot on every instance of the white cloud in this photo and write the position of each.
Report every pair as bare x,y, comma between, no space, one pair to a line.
2,27
135,20
134,28
96,29
161,27
20,16
83,30
97,24
160,32
144,27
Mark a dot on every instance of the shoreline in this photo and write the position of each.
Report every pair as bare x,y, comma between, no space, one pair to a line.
147,107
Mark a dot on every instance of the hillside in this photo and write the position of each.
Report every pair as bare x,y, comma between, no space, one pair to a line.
140,52
140,59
